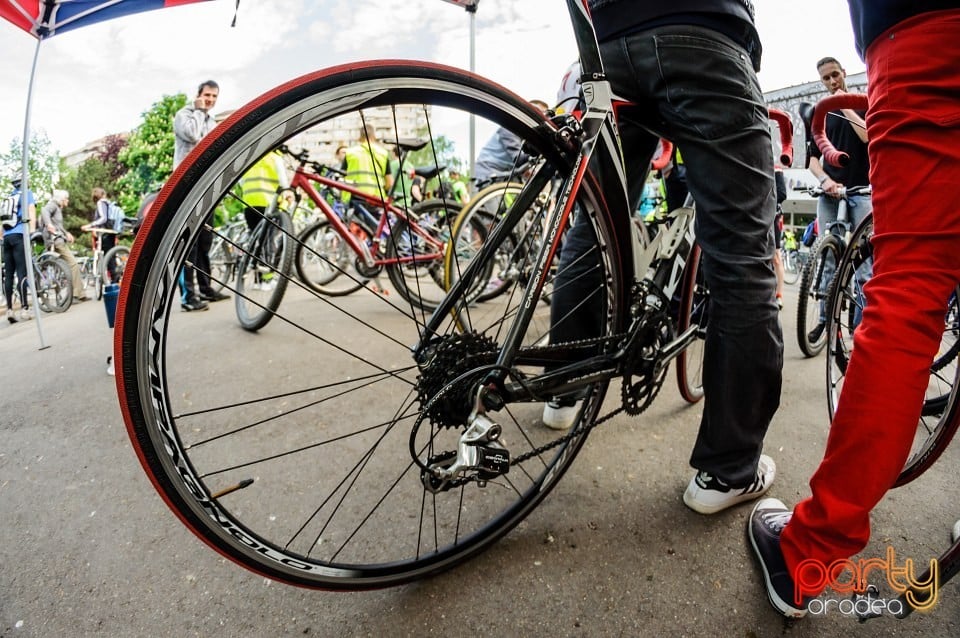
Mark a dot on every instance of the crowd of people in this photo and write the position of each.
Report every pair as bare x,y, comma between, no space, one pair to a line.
50,225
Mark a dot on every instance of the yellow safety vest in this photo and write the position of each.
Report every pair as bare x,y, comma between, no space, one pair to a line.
259,184
367,168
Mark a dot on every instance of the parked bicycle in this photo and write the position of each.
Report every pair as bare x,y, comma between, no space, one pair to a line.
355,240
51,275
101,269
406,441
793,260
224,251
812,310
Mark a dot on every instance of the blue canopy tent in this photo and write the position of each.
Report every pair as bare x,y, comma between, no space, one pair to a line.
45,19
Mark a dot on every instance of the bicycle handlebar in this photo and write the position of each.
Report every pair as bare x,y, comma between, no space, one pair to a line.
661,162
99,229
831,155
303,157
785,124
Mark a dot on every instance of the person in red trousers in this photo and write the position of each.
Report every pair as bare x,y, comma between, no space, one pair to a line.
912,51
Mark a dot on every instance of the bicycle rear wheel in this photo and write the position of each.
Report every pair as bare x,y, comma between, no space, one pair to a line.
416,270
326,263
264,270
694,300
813,293
938,418
304,467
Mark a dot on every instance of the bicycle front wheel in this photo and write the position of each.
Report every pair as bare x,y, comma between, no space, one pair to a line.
416,255
54,284
326,263
811,311
115,264
791,267
939,419
264,271
470,229
304,467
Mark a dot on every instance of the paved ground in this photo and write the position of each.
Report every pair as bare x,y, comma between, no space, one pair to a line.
88,548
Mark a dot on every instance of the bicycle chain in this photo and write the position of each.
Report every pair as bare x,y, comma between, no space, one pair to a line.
569,436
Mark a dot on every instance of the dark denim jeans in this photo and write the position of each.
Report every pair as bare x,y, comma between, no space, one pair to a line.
14,262
698,89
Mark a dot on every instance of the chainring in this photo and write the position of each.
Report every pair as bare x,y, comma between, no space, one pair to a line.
644,370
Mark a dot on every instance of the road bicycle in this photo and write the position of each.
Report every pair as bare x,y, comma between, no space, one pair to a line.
939,417
381,442
512,264
819,270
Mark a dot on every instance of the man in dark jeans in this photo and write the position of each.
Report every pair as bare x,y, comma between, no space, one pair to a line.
847,131
689,67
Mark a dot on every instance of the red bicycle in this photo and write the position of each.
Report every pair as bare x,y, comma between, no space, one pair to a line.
359,235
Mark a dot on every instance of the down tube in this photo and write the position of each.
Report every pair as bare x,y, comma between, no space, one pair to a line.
524,201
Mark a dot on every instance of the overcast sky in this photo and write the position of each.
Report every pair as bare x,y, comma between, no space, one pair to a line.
99,79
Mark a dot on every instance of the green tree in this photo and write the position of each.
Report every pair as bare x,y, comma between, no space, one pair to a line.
43,164
442,152
148,156
80,181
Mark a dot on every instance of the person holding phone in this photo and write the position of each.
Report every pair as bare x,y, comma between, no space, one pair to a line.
190,125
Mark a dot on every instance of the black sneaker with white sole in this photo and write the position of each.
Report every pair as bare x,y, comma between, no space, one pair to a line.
708,494
766,523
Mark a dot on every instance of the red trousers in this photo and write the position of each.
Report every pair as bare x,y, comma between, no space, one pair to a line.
913,125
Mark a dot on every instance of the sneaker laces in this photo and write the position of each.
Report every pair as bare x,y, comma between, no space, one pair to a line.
777,519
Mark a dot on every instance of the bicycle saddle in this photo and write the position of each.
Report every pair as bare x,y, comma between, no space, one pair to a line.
428,172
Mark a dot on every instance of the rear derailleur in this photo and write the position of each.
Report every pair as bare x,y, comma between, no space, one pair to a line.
479,457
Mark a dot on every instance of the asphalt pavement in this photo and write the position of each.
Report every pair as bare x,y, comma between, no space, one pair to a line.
88,548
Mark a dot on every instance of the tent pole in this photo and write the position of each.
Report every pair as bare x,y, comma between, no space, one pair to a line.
24,190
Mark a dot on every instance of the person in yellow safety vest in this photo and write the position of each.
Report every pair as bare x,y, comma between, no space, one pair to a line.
789,240
367,165
258,186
